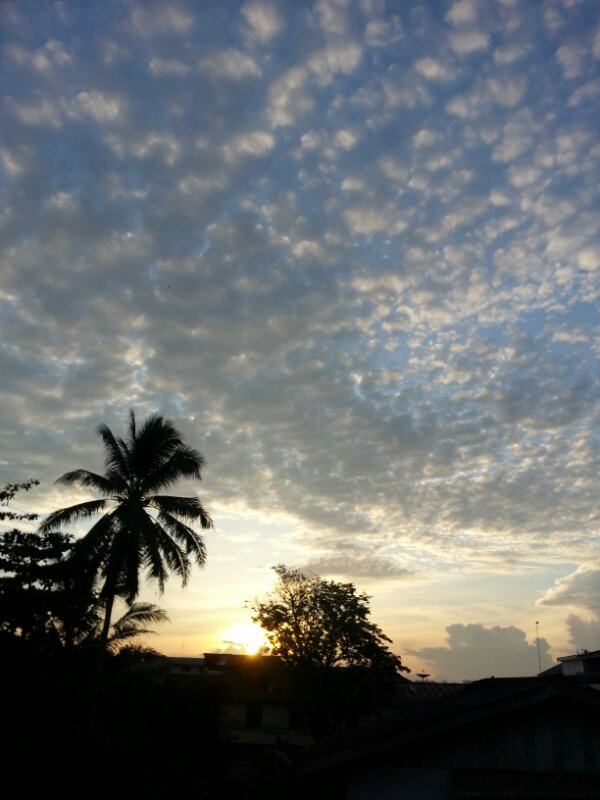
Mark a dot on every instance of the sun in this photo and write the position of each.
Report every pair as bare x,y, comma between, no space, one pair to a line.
246,635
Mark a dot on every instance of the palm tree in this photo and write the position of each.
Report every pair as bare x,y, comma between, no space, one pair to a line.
131,624
140,530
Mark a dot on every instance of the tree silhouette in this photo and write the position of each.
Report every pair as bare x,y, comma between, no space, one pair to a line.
339,666
7,493
312,622
140,529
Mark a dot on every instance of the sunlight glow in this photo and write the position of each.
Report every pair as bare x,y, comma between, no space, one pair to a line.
245,636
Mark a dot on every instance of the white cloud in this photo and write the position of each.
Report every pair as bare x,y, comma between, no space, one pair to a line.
474,651
101,106
463,11
570,57
356,565
469,42
394,342
507,93
580,588
383,33
584,634
324,64
434,70
589,258
168,66
369,220
289,98
263,19
161,18
255,143
231,64
44,112
425,138
523,176
510,54
346,139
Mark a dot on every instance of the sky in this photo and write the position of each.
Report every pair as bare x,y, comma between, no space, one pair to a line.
352,250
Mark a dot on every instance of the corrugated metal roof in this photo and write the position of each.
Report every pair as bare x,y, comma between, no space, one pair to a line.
483,785
411,694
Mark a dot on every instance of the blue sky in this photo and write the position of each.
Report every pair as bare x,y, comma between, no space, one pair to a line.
352,249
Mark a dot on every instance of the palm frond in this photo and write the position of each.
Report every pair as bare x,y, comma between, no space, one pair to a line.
185,462
175,556
130,625
153,557
192,542
143,614
154,444
64,516
188,508
91,480
114,457
92,549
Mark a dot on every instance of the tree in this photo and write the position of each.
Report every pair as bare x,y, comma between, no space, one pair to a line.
8,492
139,529
340,668
312,622
48,603
131,624
33,586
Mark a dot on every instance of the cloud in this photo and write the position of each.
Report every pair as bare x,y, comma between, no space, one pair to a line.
466,43
584,634
463,11
263,19
255,143
580,588
433,70
167,66
101,106
156,18
230,64
360,275
474,651
357,566
288,97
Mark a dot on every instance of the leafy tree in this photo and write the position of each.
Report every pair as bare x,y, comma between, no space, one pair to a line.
140,529
312,622
35,592
340,668
47,602
7,493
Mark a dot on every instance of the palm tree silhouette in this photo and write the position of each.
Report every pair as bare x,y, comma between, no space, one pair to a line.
140,530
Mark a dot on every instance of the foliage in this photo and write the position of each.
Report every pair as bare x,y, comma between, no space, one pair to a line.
131,624
312,622
139,528
36,595
340,669
45,600
7,493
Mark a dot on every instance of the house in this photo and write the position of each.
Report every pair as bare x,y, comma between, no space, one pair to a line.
183,666
255,709
583,666
497,738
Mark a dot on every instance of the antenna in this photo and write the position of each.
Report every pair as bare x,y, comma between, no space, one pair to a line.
537,641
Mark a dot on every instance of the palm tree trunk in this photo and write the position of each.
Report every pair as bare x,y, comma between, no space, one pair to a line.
101,656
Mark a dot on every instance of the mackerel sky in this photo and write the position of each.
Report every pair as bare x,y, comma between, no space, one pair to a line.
352,249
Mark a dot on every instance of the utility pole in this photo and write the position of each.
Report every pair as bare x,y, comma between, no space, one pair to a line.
537,641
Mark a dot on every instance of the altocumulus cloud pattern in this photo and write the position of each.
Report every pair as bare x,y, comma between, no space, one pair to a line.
354,246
